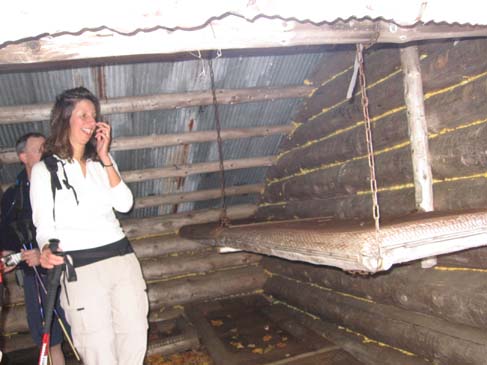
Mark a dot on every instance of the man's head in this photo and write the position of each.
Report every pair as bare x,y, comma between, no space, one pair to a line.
29,148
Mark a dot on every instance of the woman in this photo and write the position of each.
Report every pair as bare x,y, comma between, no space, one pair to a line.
107,305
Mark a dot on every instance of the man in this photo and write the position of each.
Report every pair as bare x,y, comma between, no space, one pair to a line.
17,234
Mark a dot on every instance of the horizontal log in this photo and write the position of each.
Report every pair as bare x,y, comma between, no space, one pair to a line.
391,169
166,314
393,203
455,296
14,319
454,195
9,156
133,143
199,195
209,286
475,258
426,336
174,344
172,222
199,168
18,341
165,267
460,194
162,245
13,293
41,112
366,351
229,31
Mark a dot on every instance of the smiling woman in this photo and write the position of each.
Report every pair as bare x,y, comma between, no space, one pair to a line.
107,308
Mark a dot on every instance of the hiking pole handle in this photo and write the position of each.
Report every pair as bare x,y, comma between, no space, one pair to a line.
53,279
54,245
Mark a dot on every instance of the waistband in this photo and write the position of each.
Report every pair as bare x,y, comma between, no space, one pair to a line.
92,255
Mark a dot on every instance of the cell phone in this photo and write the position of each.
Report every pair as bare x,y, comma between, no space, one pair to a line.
93,139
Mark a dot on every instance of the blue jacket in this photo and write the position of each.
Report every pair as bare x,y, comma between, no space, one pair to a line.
16,227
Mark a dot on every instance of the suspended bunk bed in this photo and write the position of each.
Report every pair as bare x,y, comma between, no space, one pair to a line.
358,246
351,247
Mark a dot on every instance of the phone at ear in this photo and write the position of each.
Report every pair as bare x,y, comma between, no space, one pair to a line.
93,139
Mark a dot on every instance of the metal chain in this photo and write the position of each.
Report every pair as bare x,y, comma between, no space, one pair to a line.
224,220
368,137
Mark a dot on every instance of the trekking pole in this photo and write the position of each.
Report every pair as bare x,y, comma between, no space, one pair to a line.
58,317
53,278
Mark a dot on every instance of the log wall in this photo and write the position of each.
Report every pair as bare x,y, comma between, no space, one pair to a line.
432,315
429,314
322,167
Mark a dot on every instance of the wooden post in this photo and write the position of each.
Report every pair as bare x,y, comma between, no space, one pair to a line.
418,133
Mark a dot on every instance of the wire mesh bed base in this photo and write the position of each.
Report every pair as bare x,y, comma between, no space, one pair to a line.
351,246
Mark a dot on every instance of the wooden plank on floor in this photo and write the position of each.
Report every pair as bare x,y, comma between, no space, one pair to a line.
208,337
325,356
300,332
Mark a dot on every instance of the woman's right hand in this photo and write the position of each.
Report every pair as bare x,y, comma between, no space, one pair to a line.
48,259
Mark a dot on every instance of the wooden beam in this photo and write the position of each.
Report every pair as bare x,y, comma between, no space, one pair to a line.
8,156
173,266
14,319
185,170
135,228
199,195
18,341
201,287
133,143
40,112
475,258
418,134
418,128
164,245
226,32
199,168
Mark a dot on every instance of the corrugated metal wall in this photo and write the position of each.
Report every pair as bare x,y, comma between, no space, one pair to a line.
232,72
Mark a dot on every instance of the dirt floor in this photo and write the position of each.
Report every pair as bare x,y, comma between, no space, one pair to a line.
192,357
246,330
250,330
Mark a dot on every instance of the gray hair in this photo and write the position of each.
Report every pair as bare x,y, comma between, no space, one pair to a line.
22,141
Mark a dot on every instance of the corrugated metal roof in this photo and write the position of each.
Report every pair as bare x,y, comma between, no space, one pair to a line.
127,17
232,72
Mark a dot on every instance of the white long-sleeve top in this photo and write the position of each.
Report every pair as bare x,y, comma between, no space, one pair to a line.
90,224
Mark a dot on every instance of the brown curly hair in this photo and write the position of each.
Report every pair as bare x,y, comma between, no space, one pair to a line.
58,142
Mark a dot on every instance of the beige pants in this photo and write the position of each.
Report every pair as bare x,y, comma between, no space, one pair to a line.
107,311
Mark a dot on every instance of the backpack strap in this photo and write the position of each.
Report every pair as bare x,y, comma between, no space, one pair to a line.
52,166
